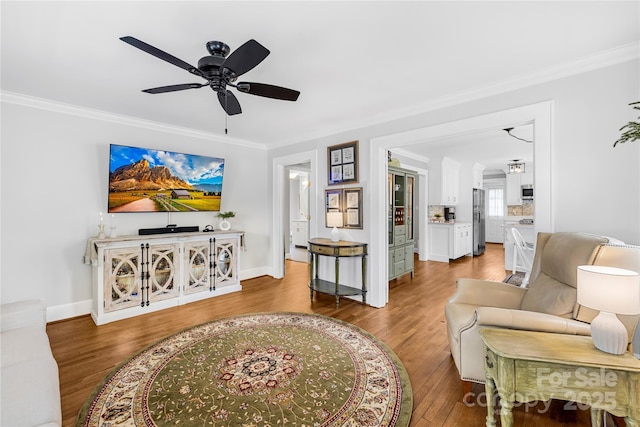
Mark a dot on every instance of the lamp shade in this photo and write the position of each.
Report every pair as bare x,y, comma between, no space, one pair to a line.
609,289
334,219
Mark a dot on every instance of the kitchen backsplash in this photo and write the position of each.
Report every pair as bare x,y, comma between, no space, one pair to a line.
526,209
436,209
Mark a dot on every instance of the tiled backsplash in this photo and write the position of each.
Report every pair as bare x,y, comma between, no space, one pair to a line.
436,209
525,209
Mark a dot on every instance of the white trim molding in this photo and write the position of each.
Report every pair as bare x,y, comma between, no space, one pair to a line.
279,204
58,107
540,115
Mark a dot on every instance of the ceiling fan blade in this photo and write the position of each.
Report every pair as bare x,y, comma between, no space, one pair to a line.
245,57
229,102
173,88
161,54
268,91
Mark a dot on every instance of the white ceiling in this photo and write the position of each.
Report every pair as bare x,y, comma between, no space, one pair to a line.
355,63
493,149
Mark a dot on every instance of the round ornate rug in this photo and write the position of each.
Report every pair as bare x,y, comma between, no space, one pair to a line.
270,369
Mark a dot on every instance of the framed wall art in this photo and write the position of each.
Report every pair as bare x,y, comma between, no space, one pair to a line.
343,207
352,207
342,162
333,208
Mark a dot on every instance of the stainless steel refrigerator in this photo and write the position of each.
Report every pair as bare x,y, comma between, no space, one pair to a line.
479,239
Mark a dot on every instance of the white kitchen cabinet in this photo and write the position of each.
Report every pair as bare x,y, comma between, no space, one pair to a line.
514,189
449,241
527,177
478,170
134,275
300,233
462,240
450,182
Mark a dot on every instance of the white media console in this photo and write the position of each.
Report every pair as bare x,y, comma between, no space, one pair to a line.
134,275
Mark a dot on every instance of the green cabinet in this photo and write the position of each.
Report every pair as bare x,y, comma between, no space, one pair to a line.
401,197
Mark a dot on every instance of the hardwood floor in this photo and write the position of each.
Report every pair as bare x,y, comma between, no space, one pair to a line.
412,325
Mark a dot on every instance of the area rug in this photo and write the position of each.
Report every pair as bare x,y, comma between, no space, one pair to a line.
268,369
515,278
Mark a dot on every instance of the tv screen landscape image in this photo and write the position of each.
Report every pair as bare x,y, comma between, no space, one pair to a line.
147,180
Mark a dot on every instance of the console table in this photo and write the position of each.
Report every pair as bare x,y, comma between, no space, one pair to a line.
134,275
326,247
525,366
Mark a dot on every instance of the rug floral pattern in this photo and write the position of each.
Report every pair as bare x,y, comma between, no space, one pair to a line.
276,369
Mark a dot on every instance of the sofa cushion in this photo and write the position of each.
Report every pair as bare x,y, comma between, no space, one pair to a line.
30,385
550,296
19,345
21,314
553,291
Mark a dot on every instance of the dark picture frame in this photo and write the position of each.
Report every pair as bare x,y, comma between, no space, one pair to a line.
352,207
347,202
342,163
332,203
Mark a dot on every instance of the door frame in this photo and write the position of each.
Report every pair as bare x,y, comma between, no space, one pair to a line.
280,203
540,115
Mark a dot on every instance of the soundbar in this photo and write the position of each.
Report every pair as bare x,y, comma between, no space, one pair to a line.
168,229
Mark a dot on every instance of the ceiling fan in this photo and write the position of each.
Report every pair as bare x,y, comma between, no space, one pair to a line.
220,72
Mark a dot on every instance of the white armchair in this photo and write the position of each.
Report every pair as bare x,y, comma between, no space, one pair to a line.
547,305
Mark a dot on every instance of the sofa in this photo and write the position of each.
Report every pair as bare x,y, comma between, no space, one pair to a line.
30,390
548,304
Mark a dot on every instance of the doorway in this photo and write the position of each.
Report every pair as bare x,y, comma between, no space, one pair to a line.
299,213
280,236
540,115
495,208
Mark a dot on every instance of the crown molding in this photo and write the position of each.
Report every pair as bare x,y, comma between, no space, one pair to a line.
607,58
624,53
59,107
401,151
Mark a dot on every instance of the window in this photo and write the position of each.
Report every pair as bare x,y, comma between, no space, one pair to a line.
495,202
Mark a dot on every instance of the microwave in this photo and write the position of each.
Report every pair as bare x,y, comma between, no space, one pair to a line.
526,192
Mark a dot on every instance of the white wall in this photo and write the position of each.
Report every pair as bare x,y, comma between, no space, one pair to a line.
54,176
54,180
595,187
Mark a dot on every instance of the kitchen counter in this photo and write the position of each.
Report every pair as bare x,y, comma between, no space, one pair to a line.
449,240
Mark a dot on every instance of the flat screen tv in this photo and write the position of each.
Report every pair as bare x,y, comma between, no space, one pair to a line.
146,180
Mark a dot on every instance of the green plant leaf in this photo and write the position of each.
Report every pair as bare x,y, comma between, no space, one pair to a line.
631,129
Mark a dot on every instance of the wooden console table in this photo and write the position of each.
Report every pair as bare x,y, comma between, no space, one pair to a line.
525,366
325,247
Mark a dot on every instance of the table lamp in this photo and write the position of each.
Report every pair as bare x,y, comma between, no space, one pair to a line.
611,291
334,219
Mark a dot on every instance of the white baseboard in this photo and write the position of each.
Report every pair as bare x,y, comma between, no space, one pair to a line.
80,308
66,311
256,272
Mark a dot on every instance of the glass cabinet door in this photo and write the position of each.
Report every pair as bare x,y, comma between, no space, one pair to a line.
225,252
162,268
196,262
122,272
398,196
390,206
409,206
